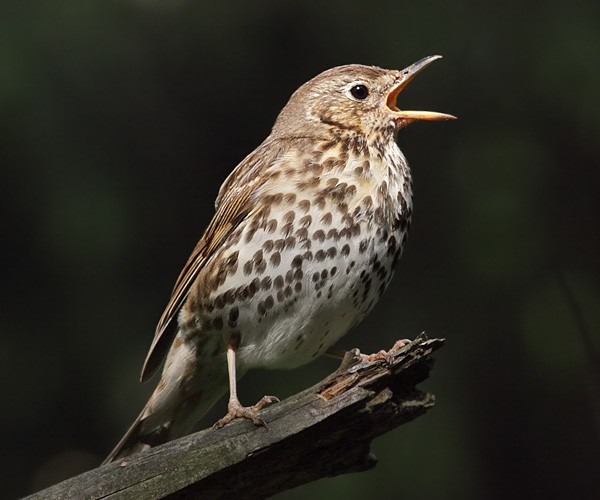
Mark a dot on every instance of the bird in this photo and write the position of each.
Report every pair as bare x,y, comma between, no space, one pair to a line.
304,240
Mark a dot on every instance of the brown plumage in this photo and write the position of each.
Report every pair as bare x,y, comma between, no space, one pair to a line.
304,240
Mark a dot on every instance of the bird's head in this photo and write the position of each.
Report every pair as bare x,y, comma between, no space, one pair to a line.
353,97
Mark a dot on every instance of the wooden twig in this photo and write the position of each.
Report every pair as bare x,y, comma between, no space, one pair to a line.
323,431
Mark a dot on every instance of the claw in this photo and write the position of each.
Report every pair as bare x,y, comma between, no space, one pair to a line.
235,410
387,356
264,402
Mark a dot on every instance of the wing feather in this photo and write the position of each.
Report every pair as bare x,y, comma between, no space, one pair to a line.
234,203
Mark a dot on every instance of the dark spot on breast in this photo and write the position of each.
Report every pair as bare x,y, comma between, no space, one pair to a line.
278,282
305,244
327,218
342,208
254,286
391,245
287,229
271,226
305,221
231,262
242,293
304,205
275,259
302,233
309,184
319,235
333,234
218,323
362,247
250,234
289,217
219,302
234,313
261,266
289,198
265,284
229,296
261,309
279,244
290,242
366,289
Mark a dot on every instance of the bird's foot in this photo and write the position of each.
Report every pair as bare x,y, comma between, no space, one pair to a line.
387,356
235,410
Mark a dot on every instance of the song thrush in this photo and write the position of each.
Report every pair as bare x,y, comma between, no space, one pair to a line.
306,234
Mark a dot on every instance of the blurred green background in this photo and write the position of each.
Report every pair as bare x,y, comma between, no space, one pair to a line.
120,119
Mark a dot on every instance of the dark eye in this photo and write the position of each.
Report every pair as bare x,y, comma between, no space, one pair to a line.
359,92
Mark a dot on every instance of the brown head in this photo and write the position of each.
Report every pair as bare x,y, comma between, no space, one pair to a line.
352,97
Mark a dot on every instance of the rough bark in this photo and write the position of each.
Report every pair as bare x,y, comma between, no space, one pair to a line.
323,431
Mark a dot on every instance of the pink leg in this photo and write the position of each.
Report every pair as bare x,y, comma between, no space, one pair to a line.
235,409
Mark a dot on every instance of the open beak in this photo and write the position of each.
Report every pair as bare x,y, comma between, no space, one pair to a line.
402,117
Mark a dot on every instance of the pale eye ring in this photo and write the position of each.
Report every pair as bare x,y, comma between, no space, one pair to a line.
359,91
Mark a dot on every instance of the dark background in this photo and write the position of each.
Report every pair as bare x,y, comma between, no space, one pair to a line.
120,119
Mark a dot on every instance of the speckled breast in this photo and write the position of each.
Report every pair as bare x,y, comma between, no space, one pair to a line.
313,259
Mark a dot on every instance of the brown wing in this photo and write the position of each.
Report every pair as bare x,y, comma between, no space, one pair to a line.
235,203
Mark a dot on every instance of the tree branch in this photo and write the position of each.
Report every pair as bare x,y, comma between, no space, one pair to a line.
323,431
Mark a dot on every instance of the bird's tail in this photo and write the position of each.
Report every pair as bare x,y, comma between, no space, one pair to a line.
135,440
186,391
153,428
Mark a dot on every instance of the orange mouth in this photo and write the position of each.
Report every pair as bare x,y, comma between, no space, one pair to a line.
405,117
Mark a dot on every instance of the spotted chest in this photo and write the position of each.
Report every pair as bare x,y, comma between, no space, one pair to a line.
310,262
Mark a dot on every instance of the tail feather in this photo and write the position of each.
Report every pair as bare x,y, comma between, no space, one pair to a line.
158,425
136,440
190,385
